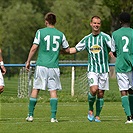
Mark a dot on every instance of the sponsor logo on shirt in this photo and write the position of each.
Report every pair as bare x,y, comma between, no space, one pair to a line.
95,49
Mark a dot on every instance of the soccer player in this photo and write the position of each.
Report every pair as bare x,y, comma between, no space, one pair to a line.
122,44
96,44
49,41
2,72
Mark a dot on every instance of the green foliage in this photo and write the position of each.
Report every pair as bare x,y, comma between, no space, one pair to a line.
20,19
70,20
116,7
17,22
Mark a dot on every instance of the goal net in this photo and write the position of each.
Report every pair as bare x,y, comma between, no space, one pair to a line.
25,82
73,79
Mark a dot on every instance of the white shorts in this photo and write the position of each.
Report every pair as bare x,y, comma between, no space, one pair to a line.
125,80
100,79
1,79
47,78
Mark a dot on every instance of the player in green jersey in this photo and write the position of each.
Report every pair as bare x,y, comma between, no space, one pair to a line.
122,44
49,41
2,72
96,44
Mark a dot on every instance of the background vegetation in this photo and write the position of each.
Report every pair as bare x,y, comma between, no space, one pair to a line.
20,19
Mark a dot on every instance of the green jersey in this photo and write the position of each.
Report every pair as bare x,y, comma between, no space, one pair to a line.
122,43
50,40
97,47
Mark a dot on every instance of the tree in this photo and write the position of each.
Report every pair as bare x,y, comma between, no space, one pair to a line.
115,8
72,19
19,22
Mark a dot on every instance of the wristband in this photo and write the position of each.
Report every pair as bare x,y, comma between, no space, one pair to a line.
1,63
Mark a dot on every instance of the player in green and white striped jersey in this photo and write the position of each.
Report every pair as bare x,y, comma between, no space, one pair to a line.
49,41
122,44
97,45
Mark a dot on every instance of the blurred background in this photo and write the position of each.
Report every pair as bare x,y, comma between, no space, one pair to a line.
20,19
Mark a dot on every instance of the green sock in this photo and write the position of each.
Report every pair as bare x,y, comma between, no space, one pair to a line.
99,105
125,105
53,103
32,104
131,103
91,100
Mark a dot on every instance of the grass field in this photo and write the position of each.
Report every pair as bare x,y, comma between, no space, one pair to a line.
72,117
72,112
10,92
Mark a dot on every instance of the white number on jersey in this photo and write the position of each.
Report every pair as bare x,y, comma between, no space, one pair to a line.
125,49
55,41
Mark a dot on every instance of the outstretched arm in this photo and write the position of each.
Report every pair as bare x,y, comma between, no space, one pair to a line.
73,50
68,50
65,51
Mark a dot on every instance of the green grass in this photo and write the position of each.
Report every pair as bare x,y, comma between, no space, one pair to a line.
72,118
72,112
10,92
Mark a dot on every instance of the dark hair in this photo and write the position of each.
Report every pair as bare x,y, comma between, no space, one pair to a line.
124,17
51,18
95,17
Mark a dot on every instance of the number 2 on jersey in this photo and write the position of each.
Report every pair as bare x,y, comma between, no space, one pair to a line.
125,49
55,41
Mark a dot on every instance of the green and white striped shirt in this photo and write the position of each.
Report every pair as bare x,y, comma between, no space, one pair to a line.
97,47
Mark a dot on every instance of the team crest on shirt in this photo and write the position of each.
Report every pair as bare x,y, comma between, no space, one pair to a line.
95,49
91,81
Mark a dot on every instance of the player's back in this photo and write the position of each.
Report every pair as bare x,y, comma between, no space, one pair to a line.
123,38
49,47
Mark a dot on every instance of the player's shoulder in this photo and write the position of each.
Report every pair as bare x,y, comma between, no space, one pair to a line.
116,31
87,36
53,30
105,34
131,29
58,31
42,29
122,30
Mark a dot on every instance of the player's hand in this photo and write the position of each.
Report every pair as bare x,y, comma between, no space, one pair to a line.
27,66
111,54
3,69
